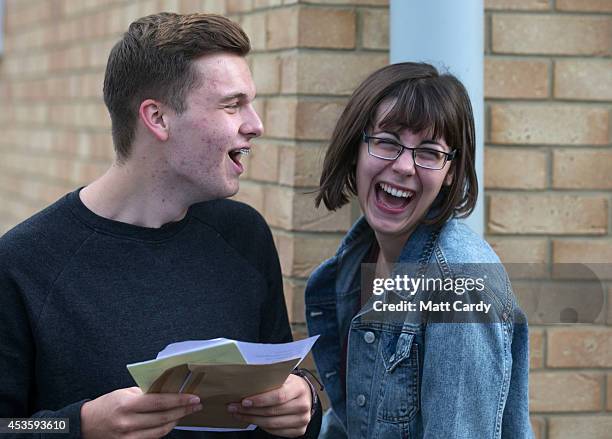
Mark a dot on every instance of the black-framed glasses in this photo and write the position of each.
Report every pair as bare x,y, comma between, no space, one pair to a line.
426,155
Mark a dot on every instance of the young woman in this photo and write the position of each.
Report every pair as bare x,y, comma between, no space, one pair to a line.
405,146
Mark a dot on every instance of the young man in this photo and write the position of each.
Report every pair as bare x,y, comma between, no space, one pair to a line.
113,272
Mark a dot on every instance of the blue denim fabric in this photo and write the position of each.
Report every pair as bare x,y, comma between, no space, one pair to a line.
419,380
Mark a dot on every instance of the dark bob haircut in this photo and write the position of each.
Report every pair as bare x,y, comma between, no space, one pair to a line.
423,100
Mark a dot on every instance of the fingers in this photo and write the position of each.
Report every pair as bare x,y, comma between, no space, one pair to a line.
292,388
286,425
297,405
159,402
282,412
152,420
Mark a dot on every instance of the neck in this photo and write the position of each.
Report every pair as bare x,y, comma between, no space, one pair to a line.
390,250
134,194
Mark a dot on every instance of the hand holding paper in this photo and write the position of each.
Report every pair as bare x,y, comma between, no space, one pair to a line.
285,411
130,412
222,372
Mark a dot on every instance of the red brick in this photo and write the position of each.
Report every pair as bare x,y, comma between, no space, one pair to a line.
564,392
280,119
300,253
538,425
536,348
301,164
237,6
512,78
266,3
525,5
255,27
266,73
292,210
609,316
579,347
294,298
594,251
352,2
582,169
552,34
544,214
609,392
326,28
333,73
556,124
213,7
306,217
278,206
574,427
560,301
289,73
316,118
264,162
583,79
524,254
252,194
375,29
502,166
282,28
584,5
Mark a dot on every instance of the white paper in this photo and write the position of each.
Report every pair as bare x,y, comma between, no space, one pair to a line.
253,353
184,347
260,353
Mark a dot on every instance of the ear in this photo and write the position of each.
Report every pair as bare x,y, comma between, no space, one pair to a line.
152,116
448,179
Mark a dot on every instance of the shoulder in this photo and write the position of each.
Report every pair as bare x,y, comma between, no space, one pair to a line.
45,231
231,218
37,249
460,244
241,229
468,255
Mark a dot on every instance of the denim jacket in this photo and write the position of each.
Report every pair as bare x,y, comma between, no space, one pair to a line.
419,380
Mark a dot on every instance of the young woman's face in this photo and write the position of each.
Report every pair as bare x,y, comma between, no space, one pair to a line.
395,195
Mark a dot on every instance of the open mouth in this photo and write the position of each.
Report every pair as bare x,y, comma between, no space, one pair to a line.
236,154
393,198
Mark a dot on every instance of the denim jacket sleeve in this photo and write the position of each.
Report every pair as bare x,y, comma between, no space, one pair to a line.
466,374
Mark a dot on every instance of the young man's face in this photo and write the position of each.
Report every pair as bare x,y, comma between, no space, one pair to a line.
204,141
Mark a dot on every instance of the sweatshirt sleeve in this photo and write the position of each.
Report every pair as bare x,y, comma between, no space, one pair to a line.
17,363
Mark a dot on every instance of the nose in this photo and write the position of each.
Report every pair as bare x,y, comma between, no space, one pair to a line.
404,164
251,126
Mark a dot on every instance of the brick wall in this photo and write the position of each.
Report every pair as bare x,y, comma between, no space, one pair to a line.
547,158
548,167
308,57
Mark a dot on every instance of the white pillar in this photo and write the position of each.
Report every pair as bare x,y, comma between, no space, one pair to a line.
448,34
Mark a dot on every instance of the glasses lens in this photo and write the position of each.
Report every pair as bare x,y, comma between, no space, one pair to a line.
429,156
384,148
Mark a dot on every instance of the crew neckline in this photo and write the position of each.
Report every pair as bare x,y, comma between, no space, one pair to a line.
118,228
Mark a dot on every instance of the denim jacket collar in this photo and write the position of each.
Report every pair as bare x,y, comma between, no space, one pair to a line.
357,242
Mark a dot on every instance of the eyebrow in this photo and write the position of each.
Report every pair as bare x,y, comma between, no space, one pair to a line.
231,97
397,137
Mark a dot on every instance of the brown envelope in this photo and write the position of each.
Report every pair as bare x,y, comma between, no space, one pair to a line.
217,385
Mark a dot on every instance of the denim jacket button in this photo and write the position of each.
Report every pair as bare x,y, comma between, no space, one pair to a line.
369,337
361,399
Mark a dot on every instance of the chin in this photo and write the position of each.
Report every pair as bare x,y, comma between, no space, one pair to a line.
390,226
231,190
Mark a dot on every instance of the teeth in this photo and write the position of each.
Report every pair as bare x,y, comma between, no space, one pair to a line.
395,192
245,151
